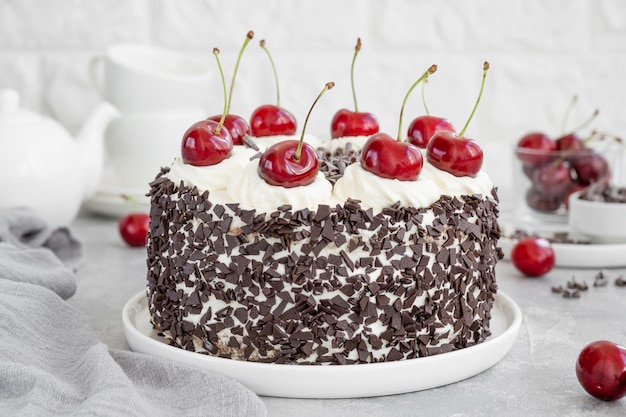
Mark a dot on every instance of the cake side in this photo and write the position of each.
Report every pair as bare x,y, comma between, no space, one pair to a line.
339,284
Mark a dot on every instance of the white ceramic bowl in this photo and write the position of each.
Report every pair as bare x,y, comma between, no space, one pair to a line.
602,222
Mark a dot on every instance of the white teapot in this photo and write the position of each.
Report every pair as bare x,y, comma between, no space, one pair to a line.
42,166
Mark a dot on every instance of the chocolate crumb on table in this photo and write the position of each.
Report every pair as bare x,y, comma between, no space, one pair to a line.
600,280
573,288
573,284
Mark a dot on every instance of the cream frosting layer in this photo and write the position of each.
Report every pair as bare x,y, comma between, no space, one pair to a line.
251,191
236,180
214,177
377,192
265,142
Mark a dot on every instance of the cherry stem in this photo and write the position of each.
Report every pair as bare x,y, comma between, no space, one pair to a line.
424,96
568,111
585,123
603,136
430,70
480,94
249,37
262,43
296,155
357,48
216,52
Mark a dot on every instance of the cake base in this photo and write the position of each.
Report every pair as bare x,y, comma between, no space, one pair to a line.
347,381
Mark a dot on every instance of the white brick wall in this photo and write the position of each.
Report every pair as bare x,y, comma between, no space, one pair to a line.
542,52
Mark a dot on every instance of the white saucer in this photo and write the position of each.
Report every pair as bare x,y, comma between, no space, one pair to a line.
117,204
572,255
337,381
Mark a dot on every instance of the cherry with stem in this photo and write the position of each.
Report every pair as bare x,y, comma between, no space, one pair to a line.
424,127
392,158
236,125
454,153
291,163
571,141
268,119
207,142
353,123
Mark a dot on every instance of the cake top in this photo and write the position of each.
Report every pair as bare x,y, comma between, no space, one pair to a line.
341,177
385,171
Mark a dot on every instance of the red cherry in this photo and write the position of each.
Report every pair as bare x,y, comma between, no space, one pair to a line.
351,123
533,256
535,149
392,158
207,142
134,228
278,165
236,126
590,168
423,128
270,120
389,158
203,145
601,370
554,179
539,202
571,142
291,163
458,156
529,171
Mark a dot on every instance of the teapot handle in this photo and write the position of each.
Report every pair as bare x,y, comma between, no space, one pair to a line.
96,73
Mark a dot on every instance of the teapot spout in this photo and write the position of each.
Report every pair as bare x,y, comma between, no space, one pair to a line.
90,140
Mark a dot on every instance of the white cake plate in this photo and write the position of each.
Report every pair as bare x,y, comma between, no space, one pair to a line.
116,205
337,381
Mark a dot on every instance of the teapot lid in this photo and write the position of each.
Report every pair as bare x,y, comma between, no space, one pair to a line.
10,111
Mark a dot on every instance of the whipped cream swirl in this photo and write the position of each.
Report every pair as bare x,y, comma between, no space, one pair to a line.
213,177
264,142
252,192
377,192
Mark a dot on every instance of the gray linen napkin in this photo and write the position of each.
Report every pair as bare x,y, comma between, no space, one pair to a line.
51,361
34,253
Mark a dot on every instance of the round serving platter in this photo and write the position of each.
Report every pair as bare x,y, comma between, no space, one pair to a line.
337,381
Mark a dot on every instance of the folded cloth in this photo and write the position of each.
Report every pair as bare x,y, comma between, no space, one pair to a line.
51,361
33,252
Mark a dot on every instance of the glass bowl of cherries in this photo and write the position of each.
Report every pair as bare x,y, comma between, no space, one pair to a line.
548,171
